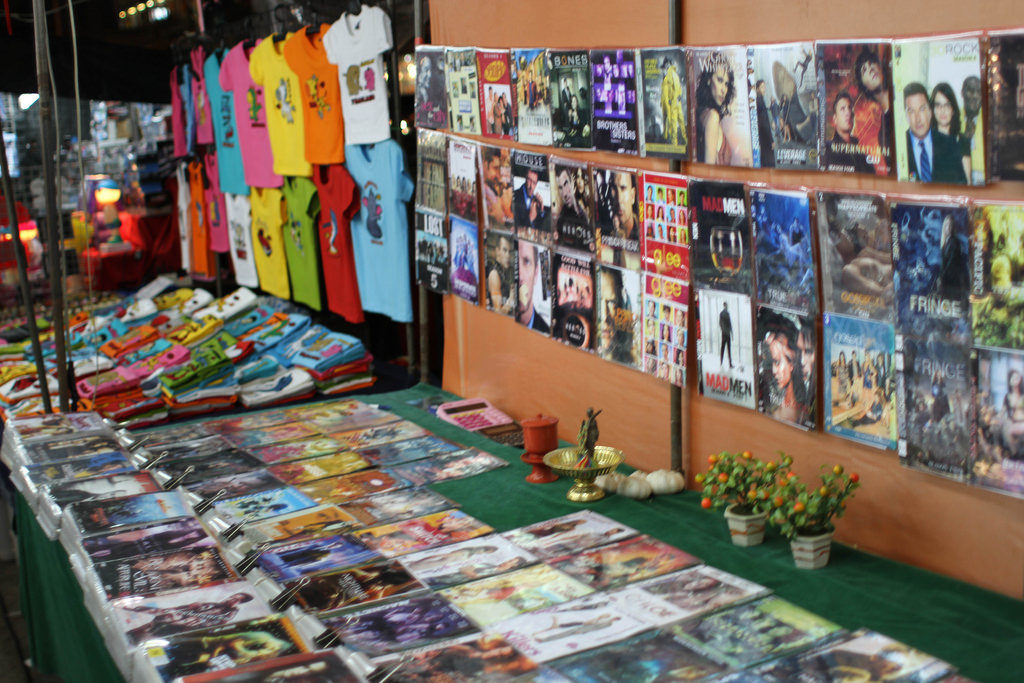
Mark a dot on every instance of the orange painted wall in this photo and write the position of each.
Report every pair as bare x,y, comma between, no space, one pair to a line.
910,516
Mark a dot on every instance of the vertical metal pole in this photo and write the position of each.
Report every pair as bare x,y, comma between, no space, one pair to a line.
424,307
676,393
19,257
54,241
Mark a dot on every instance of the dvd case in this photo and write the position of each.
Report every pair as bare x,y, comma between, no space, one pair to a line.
720,233
535,293
501,265
497,105
571,201
392,506
617,216
666,225
420,533
725,346
618,315
652,655
614,78
496,188
431,104
626,561
783,99
998,448
531,196
997,275
432,170
661,78
431,251
476,558
568,534
464,248
666,302
462,178
718,96
1006,116
531,83
357,586
784,249
573,314
463,101
291,560
787,371
569,72
181,534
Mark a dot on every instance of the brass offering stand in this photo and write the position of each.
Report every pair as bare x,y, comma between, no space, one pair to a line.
585,462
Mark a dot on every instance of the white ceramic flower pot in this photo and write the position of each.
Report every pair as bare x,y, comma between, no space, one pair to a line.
746,530
811,552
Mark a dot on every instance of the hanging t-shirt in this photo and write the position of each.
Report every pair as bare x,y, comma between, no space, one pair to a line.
215,204
177,116
204,124
240,228
270,70
202,263
222,110
250,119
320,95
267,245
300,242
339,203
355,43
188,108
184,215
380,232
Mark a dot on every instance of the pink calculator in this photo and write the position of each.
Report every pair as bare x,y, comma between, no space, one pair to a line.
473,414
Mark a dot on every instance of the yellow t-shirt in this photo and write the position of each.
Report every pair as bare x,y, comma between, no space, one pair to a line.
283,98
268,216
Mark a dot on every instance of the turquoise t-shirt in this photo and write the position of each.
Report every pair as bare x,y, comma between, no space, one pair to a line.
380,231
301,240
229,151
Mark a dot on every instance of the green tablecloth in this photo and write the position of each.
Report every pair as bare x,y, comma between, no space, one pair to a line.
980,632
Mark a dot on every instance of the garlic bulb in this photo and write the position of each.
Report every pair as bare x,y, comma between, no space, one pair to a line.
609,483
666,482
635,487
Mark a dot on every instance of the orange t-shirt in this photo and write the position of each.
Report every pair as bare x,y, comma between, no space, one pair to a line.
320,94
202,262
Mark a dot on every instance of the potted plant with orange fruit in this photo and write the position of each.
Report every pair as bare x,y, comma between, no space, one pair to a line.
804,514
742,483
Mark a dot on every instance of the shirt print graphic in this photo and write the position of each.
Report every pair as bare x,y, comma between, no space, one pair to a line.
263,236
295,226
361,80
256,114
227,118
332,226
371,200
238,232
283,95
317,90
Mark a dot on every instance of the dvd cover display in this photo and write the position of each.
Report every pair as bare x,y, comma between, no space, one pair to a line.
940,134
783,100
751,633
531,82
1006,115
626,561
463,100
356,586
488,601
535,291
464,247
99,488
501,262
80,468
312,667
151,574
860,380
431,103
661,78
569,73
666,221
865,655
391,506
617,216
855,105
618,314
725,346
73,446
256,506
573,314
855,241
787,377
718,96
997,275
476,558
784,249
432,170
998,449
356,485
269,435
30,428
496,188
379,434
571,202
666,302
413,623
181,534
932,278
462,178
531,196
613,75
431,251
652,655
568,628
487,657
323,519
497,105
420,533
301,471
312,555
223,647
143,618
936,409
398,452
235,484
465,463
568,534
98,515
720,237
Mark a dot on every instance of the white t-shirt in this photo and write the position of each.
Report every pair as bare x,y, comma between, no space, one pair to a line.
240,239
184,222
355,43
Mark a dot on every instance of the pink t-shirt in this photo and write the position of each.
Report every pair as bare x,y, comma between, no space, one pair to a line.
204,118
215,202
250,118
177,117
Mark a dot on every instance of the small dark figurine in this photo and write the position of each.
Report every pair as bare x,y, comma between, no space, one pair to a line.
588,438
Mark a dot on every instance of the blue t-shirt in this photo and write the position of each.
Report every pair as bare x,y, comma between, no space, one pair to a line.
380,231
229,151
188,105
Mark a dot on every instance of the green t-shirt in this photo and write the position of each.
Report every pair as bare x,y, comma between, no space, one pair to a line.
300,240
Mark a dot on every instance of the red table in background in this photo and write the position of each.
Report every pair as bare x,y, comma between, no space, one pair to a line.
153,236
